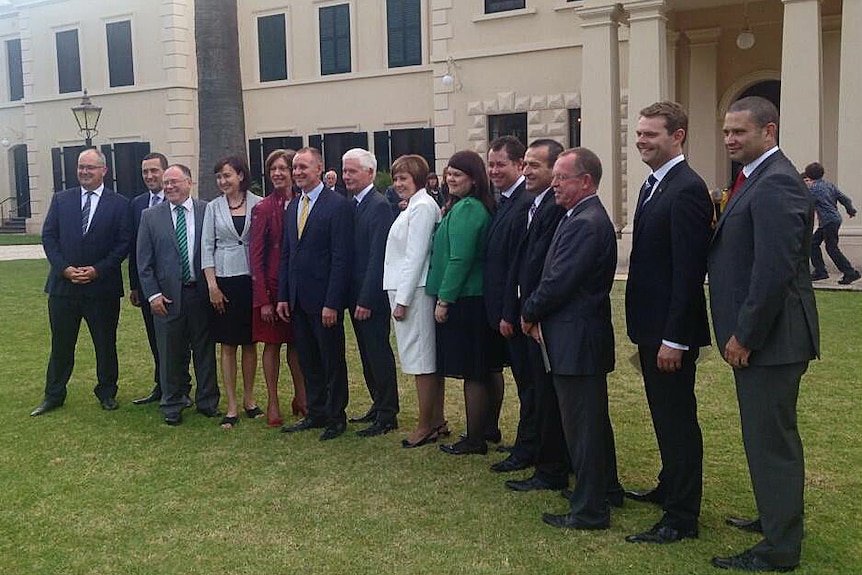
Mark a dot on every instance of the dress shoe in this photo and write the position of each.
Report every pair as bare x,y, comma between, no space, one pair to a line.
333,431
511,463
369,417
850,278
647,496
465,447
378,428
817,276
174,418
748,561
569,521
662,534
750,525
151,398
109,403
187,402
533,484
44,407
302,425
211,412
430,437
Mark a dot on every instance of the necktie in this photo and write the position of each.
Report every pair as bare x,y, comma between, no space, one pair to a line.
85,212
183,243
154,200
737,183
355,203
303,214
646,190
531,213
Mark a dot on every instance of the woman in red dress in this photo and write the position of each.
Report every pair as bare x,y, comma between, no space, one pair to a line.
267,226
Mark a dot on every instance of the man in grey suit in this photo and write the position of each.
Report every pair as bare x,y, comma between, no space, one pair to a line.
765,322
169,267
569,314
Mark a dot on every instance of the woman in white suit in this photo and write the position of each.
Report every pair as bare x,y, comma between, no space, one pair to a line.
405,266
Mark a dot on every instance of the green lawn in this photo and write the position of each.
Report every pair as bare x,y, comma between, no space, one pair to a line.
85,491
20,239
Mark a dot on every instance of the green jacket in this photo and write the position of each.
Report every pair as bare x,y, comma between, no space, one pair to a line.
458,252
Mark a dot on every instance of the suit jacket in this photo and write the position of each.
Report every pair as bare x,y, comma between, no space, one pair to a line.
408,247
759,281
315,269
104,246
664,292
158,255
140,203
267,233
371,222
572,301
507,229
222,247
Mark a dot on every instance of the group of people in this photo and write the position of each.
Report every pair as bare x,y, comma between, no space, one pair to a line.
521,280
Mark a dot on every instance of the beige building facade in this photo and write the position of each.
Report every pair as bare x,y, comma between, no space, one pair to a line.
436,76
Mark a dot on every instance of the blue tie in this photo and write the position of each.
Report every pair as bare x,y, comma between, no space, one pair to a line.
85,212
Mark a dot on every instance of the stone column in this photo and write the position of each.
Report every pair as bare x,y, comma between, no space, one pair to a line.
802,82
849,174
600,99
703,133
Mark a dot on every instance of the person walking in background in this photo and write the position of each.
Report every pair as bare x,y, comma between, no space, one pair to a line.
225,262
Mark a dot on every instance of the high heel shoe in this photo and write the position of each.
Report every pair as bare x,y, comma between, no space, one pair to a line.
430,437
443,429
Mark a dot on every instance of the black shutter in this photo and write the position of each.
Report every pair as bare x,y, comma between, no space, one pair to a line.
255,164
121,66
316,141
381,150
22,181
70,165
404,32
57,168
428,152
334,25
108,151
359,140
16,69
68,62
272,48
141,150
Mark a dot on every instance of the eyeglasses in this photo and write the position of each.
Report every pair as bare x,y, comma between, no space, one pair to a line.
89,168
172,183
564,177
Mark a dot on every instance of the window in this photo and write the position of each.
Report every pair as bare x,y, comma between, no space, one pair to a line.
272,48
121,68
494,6
259,149
68,61
334,39
508,125
392,144
404,30
574,127
15,68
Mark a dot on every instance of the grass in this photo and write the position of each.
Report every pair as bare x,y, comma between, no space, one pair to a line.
20,239
85,491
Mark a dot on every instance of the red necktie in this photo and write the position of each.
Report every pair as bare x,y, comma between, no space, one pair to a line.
737,183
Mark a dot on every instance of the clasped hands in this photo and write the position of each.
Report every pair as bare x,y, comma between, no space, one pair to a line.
80,275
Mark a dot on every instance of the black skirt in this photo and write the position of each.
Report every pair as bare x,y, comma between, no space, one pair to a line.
466,346
233,327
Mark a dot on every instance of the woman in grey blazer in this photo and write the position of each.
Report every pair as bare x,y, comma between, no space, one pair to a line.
225,263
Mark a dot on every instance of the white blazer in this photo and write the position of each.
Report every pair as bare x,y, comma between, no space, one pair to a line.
221,247
408,247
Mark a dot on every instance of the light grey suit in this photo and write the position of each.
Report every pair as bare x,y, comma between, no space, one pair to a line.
186,325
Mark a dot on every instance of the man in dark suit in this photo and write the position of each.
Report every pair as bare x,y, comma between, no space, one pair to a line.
368,303
312,292
666,314
569,313
86,237
766,325
507,228
153,168
171,280
543,215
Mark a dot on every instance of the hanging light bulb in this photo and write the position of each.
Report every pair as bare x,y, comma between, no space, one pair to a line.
745,39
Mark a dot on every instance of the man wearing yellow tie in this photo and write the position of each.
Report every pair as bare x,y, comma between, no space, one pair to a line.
312,292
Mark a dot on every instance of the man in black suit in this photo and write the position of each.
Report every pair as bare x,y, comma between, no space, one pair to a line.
153,168
312,292
368,303
666,314
766,325
169,263
569,314
86,237
543,215
507,228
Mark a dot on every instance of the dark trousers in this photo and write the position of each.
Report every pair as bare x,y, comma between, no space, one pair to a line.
552,456
322,360
828,234
378,363
673,407
181,339
147,314
65,315
590,438
527,439
767,407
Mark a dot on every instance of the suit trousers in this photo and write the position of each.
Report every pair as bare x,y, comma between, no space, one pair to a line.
583,404
323,363
177,339
527,438
673,407
65,314
147,315
767,398
378,363
552,456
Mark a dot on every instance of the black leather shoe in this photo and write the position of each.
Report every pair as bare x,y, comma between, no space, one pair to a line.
109,404
511,463
532,484
569,521
748,561
44,407
464,447
378,428
212,412
151,398
848,279
662,534
369,417
174,418
647,496
750,525
333,431
302,425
